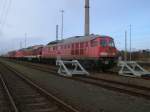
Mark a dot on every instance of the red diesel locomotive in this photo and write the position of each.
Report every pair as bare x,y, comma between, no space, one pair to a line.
91,51
30,53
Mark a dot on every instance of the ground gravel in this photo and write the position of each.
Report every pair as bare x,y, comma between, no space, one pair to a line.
85,97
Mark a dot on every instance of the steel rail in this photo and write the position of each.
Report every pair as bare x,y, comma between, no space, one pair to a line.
60,103
108,84
15,109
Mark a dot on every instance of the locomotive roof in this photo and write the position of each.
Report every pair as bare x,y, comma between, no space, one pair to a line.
54,42
31,48
77,39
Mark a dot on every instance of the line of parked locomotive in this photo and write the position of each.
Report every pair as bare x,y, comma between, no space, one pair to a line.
93,51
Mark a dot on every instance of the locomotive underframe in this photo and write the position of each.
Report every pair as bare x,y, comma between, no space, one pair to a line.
102,63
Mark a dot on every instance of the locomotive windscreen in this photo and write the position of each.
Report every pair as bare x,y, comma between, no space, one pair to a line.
103,43
111,43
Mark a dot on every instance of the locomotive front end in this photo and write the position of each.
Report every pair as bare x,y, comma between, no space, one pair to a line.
107,53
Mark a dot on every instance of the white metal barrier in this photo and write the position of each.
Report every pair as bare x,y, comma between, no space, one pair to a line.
70,68
132,68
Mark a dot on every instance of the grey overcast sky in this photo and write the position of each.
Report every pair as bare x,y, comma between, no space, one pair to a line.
38,19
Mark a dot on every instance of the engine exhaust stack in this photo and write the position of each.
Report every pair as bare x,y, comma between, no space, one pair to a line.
87,18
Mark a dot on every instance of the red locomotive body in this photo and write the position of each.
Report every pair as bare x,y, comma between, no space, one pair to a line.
93,50
19,53
11,54
34,51
30,52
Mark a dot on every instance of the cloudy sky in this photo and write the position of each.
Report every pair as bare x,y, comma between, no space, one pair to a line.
38,19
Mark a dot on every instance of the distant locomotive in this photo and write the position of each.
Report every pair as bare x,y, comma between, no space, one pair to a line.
31,53
93,51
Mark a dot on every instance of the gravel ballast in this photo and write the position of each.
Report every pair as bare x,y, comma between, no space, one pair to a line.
86,97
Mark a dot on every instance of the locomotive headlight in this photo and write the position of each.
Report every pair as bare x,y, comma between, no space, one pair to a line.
103,53
114,54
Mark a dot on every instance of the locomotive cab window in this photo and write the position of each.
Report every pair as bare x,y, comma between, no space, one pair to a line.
111,43
103,43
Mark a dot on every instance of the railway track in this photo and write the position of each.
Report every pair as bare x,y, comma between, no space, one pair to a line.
6,100
134,90
29,97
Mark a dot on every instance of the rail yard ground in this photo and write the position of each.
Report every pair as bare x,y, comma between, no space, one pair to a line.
83,96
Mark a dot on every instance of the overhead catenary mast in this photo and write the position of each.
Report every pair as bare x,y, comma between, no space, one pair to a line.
25,41
125,52
130,44
20,45
87,18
